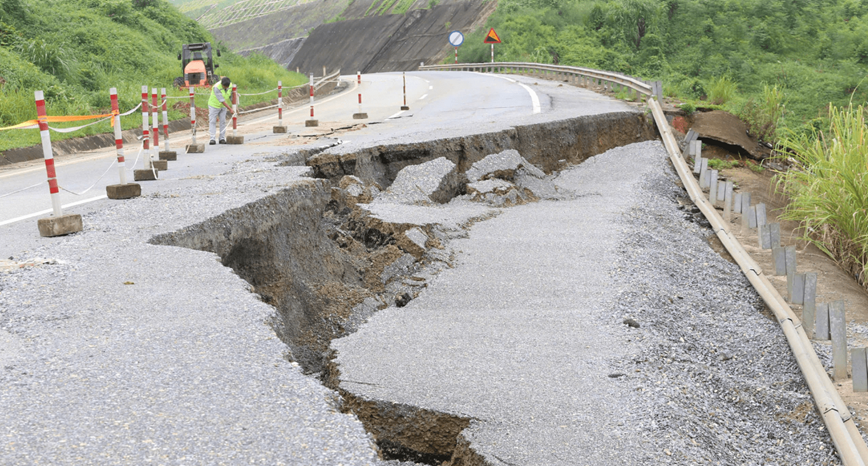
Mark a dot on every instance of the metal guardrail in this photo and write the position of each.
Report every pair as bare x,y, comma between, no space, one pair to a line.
326,79
605,77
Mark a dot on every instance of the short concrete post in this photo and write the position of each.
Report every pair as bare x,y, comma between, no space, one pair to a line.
691,149
764,237
703,175
736,203
790,252
745,205
809,307
859,358
712,188
798,286
721,191
780,256
775,233
697,157
760,214
838,333
821,325
747,215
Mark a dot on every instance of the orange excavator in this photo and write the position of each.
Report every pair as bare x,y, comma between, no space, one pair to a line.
197,66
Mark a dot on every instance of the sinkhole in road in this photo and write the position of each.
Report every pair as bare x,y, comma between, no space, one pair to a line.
326,264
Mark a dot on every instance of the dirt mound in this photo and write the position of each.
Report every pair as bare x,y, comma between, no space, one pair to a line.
729,129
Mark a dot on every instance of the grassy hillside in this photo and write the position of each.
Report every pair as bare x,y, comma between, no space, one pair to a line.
75,50
770,61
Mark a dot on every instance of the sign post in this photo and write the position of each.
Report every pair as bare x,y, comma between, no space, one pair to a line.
492,38
456,38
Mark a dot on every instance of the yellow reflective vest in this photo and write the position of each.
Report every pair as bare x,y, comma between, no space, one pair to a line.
215,101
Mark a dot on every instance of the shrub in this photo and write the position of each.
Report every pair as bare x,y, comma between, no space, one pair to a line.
687,107
721,90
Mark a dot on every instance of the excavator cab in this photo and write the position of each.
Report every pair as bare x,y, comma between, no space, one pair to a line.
197,65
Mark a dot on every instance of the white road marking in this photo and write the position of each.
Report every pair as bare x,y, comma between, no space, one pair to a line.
48,211
396,115
423,97
534,99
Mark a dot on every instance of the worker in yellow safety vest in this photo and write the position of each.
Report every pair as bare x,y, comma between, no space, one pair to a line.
218,104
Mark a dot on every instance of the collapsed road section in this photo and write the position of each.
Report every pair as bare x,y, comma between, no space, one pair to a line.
467,308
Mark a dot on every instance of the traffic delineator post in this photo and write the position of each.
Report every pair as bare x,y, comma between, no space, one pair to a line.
311,122
58,224
360,115
405,107
156,162
280,128
234,138
167,154
193,147
123,190
148,173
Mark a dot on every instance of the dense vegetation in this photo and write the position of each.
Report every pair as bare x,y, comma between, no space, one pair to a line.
752,57
75,50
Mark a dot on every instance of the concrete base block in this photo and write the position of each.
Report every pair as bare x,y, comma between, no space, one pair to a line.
161,165
360,116
404,107
144,175
780,256
310,123
860,369
123,191
279,129
168,155
59,226
809,307
195,148
234,139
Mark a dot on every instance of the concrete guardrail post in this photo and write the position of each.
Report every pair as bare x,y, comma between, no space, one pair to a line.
838,334
860,369
809,305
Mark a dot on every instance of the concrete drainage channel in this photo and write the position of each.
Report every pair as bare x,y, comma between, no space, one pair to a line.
326,263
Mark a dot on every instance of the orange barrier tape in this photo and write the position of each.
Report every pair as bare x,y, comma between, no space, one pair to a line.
30,124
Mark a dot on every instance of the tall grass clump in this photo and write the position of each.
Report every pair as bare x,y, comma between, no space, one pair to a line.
828,187
721,90
764,115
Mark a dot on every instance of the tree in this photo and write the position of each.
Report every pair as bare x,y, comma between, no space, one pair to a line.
635,17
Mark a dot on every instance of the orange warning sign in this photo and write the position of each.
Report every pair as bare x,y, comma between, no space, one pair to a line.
492,38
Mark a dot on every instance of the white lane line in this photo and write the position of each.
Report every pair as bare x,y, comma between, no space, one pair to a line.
43,212
534,99
396,115
423,97
495,76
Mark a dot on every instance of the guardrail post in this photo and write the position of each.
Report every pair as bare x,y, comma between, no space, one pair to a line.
838,333
280,128
193,148
860,369
790,253
809,307
167,154
712,188
311,121
123,190
775,233
58,224
727,201
235,138
157,164
360,115
148,173
821,327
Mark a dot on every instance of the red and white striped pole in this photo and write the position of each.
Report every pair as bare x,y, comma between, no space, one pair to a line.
359,81
311,96
279,103
234,110
492,53
155,129
119,139
192,116
456,55
146,136
48,154
165,118
405,107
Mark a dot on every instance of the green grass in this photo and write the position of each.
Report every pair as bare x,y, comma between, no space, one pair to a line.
720,164
75,50
828,188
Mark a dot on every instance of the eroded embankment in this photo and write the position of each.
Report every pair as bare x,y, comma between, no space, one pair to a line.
326,264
